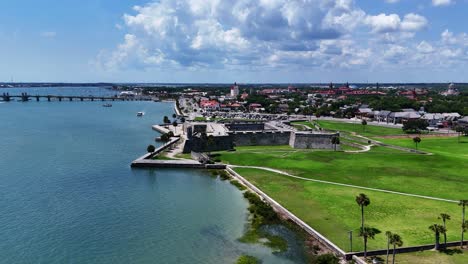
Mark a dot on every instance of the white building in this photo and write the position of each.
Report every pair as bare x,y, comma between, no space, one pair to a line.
451,90
235,90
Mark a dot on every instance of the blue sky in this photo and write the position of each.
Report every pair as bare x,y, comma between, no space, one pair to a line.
234,40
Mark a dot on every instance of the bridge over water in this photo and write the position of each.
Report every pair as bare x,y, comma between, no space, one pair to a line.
24,97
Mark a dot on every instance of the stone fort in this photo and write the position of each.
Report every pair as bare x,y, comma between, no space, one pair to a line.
206,137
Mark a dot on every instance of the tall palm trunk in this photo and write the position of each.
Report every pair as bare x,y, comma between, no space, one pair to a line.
445,236
437,237
365,247
362,217
463,229
388,249
394,252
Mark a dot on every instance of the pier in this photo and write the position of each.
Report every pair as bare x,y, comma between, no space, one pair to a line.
24,97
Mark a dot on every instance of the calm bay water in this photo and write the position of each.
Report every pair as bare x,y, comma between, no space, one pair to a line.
68,195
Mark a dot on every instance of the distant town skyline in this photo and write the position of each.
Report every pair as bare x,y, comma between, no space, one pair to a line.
213,41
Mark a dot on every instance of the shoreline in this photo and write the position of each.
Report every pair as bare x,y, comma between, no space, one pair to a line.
326,245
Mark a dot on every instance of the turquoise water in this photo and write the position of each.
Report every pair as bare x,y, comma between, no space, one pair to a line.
68,195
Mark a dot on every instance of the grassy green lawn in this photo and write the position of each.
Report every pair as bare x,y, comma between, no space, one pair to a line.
430,257
437,175
332,210
162,156
200,119
368,131
446,146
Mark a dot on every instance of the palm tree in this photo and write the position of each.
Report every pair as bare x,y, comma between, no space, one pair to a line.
464,229
366,233
444,218
362,200
335,141
396,241
463,204
437,229
388,234
150,149
416,141
364,124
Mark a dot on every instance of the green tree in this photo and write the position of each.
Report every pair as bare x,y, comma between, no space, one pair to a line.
166,120
463,204
396,241
437,229
362,200
167,136
415,125
182,120
364,124
150,149
459,130
388,234
327,259
366,233
464,229
335,141
174,116
174,123
416,141
444,218
246,259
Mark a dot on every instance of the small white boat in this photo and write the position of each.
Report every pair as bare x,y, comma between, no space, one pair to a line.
140,113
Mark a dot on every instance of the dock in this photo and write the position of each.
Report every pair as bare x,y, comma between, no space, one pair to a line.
24,97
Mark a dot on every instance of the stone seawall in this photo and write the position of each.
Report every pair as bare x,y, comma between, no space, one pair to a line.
301,140
207,145
264,138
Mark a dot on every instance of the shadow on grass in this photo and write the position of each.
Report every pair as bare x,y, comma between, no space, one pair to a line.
452,251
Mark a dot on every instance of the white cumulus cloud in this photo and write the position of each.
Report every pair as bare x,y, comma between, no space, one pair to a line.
276,34
384,23
441,2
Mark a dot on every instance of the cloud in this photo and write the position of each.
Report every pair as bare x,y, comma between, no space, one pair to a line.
194,33
441,2
425,47
384,23
450,38
48,34
292,35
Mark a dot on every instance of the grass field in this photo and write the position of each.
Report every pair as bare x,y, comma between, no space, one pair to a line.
435,175
332,210
455,256
368,131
